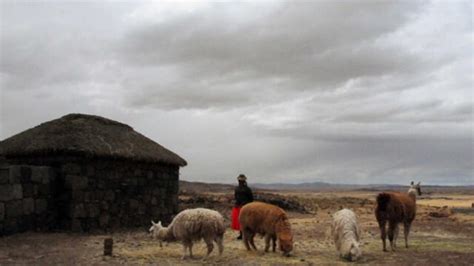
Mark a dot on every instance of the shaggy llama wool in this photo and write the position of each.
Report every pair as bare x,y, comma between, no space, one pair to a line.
190,226
267,220
346,234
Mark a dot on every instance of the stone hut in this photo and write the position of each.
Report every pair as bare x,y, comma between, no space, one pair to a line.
84,172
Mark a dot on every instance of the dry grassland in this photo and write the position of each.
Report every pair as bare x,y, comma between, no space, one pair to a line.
434,241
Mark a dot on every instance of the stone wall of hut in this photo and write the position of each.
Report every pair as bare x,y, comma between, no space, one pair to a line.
26,198
116,194
84,195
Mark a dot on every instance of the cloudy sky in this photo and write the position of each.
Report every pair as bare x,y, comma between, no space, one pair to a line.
335,91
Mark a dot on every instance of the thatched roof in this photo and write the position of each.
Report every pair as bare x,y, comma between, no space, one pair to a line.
87,135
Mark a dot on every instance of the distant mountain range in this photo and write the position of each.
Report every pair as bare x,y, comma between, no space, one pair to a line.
313,186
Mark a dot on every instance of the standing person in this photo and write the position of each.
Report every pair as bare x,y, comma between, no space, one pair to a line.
243,195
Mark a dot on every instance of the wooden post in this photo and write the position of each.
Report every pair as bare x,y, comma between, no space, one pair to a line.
108,246
472,205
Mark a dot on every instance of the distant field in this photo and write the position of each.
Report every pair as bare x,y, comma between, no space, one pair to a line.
434,241
450,200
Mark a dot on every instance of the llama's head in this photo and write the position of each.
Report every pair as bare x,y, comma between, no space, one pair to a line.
157,232
286,244
415,189
351,250
285,237
355,252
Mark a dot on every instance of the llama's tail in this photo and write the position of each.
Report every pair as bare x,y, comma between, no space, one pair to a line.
382,201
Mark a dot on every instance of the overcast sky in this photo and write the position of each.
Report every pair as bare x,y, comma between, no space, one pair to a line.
336,91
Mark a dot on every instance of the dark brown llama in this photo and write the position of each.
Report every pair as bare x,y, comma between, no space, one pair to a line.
395,208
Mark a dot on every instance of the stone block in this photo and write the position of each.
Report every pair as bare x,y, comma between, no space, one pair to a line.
93,210
150,174
47,174
76,182
71,169
104,206
90,170
88,196
133,181
28,206
4,175
11,192
109,195
137,173
174,188
76,225
2,211
98,195
41,174
78,195
92,224
142,209
133,204
35,190
25,174
5,193
92,183
155,212
147,198
101,184
154,201
44,190
14,208
79,211
10,226
132,191
15,174
114,209
147,190
26,223
41,205
27,190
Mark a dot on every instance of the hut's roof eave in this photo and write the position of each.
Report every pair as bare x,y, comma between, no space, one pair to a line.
88,135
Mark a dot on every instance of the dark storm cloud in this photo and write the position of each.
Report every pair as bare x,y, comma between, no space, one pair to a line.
341,91
307,46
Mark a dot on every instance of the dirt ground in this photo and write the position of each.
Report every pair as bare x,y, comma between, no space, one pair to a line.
433,241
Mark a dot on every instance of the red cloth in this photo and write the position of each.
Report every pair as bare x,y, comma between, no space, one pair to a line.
235,218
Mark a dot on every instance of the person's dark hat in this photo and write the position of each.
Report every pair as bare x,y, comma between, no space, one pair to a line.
242,177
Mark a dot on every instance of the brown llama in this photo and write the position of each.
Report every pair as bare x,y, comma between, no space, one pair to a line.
267,220
395,208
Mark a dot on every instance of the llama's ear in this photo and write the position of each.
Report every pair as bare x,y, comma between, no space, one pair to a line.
159,223
152,223
418,183
412,183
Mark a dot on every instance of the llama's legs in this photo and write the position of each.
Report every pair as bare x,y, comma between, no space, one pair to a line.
219,240
246,238
267,242
406,231
395,236
274,243
185,247
210,246
391,231
383,233
190,249
252,237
